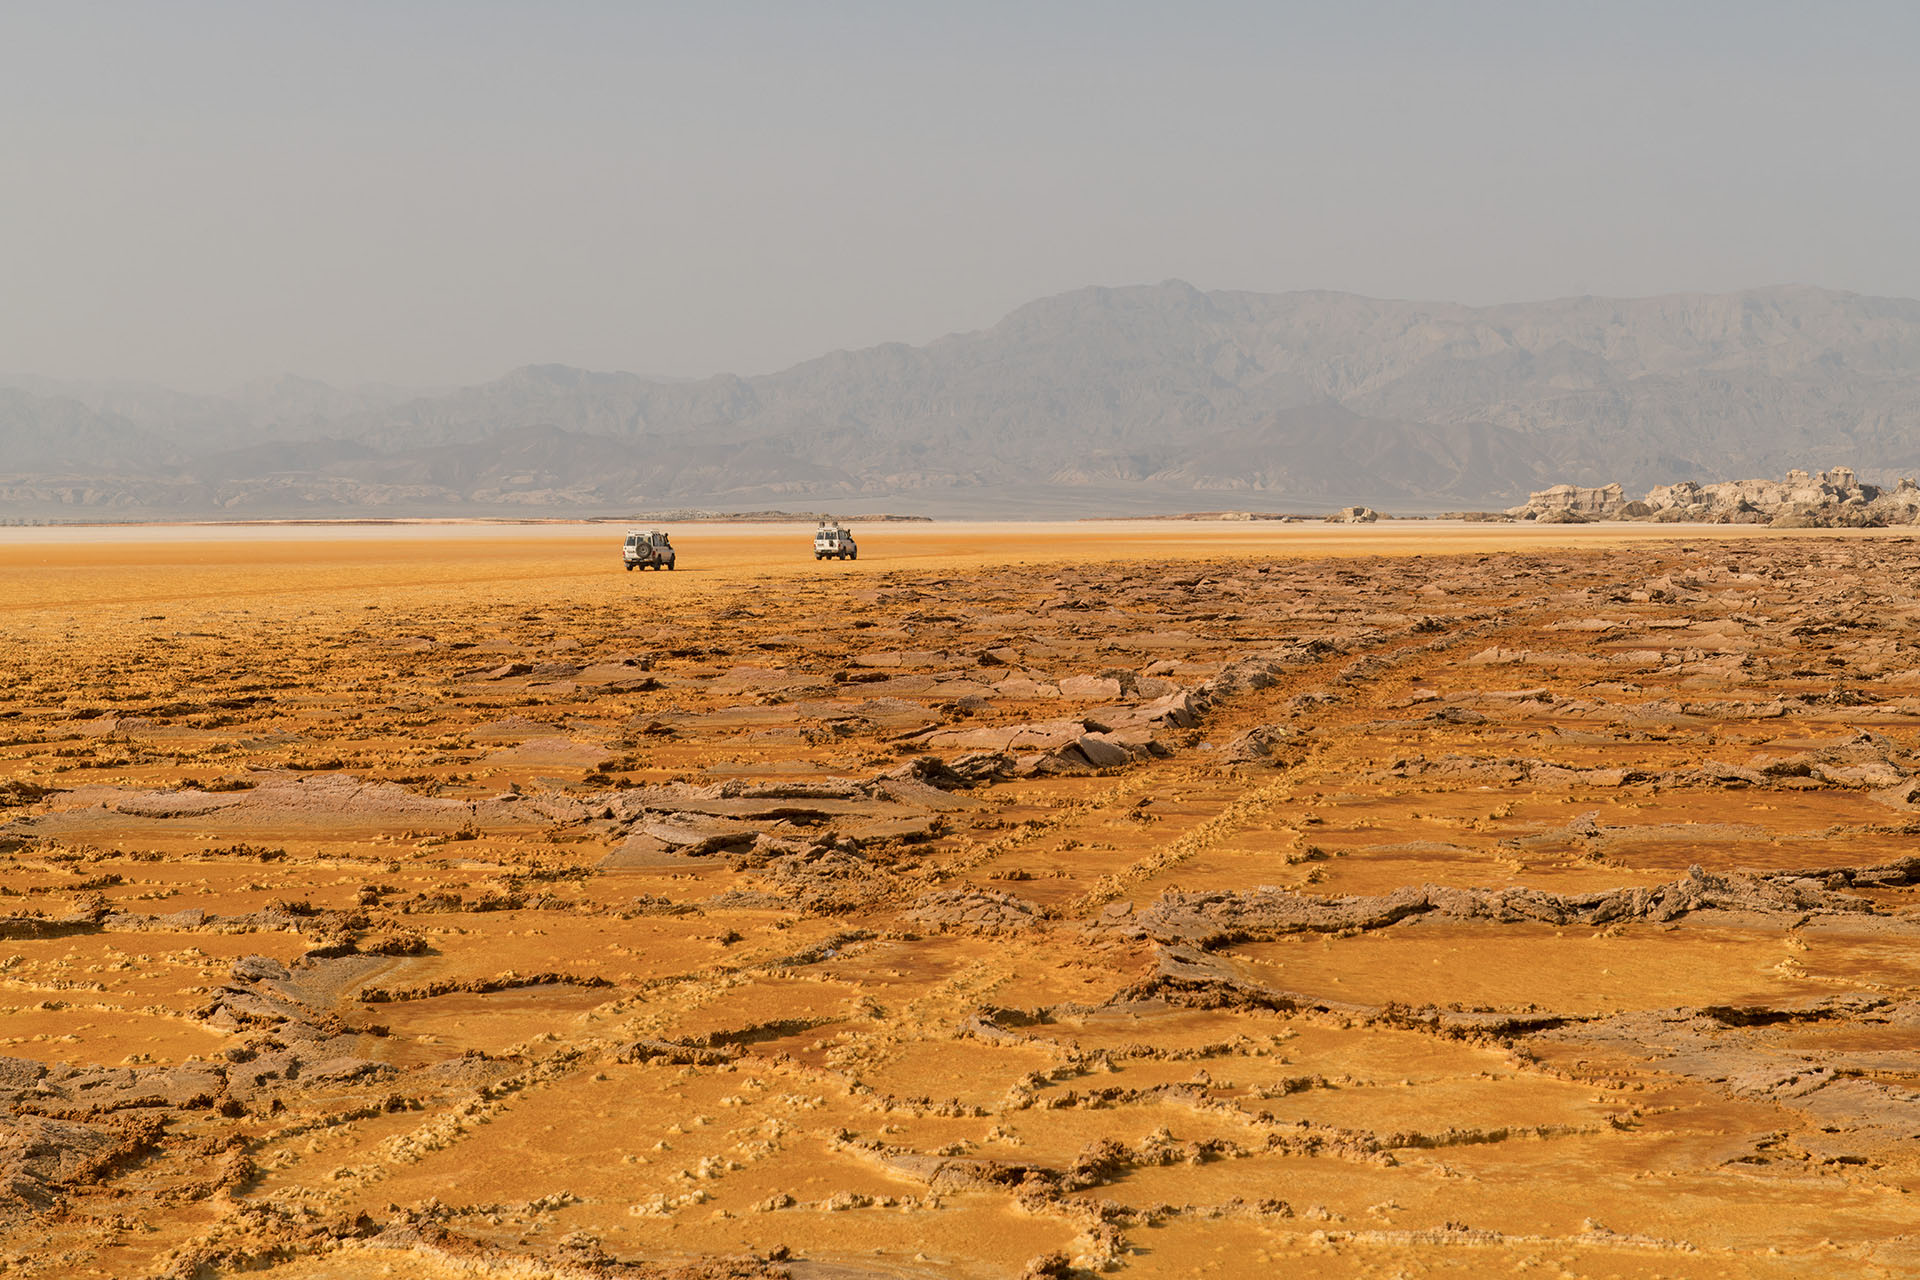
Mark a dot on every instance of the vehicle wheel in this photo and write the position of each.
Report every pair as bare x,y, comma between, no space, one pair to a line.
669,566
629,568
853,555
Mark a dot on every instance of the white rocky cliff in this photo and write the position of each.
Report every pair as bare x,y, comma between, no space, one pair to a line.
1834,499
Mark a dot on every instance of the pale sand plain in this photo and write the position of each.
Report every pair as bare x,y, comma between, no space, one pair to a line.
1146,898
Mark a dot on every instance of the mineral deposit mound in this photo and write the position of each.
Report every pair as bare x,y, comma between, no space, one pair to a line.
1271,903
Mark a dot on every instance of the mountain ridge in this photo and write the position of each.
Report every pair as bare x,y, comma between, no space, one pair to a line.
1140,393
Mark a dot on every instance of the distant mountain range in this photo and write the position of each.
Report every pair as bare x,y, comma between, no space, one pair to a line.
1157,397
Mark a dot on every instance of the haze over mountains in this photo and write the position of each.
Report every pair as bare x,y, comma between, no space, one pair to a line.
1156,397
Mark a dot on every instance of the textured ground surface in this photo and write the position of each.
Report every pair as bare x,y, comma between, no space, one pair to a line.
1238,902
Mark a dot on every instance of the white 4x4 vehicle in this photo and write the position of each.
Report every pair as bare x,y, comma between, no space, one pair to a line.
834,542
647,550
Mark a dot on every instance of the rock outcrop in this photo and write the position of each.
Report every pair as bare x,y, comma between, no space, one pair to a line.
1354,515
1557,504
1834,499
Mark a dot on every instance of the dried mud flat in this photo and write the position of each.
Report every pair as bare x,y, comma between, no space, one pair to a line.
1273,908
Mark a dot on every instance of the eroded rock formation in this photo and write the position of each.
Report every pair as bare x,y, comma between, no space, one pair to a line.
1833,499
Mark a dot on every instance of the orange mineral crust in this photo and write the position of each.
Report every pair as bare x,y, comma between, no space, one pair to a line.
1131,898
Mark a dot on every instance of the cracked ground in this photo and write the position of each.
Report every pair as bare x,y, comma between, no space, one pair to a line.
1112,901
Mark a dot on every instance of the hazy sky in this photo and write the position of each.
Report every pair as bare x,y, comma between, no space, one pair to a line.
433,193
